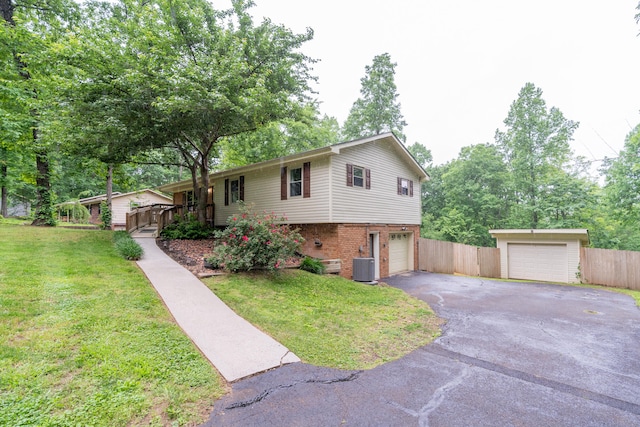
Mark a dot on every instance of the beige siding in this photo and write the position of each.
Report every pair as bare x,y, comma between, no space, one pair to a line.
262,193
121,205
380,204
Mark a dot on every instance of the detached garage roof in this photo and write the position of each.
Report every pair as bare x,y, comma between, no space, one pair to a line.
581,234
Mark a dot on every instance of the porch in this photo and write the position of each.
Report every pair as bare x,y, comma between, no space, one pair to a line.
156,217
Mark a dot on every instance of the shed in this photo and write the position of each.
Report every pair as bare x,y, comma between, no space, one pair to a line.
545,255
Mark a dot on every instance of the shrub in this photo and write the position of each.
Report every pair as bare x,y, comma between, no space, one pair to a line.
128,248
119,235
186,227
255,241
312,265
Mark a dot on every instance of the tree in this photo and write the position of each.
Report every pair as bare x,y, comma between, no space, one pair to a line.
421,154
378,110
477,186
28,63
536,145
184,75
279,139
622,181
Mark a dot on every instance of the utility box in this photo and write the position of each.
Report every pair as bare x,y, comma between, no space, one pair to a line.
364,269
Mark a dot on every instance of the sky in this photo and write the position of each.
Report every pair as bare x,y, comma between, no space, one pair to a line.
461,63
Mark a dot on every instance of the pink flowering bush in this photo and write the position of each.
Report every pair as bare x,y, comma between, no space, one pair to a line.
255,241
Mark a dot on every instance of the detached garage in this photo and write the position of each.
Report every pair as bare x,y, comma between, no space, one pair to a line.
544,255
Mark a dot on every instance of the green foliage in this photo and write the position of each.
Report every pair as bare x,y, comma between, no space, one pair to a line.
105,215
536,148
280,139
75,212
622,182
255,241
128,248
312,265
119,235
421,153
186,227
45,212
378,110
182,75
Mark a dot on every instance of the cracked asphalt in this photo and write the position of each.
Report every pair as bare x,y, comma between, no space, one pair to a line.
511,354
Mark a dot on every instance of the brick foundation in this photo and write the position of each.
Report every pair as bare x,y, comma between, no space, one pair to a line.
348,241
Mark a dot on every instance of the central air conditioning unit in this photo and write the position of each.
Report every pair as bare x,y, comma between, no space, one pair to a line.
364,269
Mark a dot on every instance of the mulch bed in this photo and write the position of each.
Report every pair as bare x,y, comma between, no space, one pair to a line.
191,254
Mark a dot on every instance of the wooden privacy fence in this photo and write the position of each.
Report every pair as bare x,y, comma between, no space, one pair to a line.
449,258
618,269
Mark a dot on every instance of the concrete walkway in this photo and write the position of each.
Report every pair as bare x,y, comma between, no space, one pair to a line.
234,346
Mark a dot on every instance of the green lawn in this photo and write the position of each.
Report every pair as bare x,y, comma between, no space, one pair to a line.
84,339
330,321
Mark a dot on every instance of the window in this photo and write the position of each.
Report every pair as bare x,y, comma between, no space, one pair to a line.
357,176
295,182
234,190
405,187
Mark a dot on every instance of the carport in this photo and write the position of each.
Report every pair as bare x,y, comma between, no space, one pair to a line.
545,255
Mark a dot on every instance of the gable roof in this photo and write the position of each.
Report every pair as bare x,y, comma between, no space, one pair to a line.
329,150
116,195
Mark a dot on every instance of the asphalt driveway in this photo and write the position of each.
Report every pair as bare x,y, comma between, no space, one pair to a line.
511,354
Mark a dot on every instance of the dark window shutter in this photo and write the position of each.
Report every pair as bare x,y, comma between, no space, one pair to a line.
349,175
399,186
306,180
411,188
226,192
283,183
241,184
367,177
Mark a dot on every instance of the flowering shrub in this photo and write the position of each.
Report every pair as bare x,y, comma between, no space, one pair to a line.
255,241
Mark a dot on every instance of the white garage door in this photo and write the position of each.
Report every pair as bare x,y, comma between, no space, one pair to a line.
546,263
400,258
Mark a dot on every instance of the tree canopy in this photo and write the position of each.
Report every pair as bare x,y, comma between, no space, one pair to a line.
378,109
536,147
183,75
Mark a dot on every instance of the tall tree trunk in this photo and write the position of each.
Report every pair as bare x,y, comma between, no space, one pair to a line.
4,172
203,192
110,193
109,185
44,205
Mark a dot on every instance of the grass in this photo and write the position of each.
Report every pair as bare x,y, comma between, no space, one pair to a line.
84,339
330,321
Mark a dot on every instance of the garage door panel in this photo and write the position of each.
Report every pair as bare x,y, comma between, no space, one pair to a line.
399,252
544,262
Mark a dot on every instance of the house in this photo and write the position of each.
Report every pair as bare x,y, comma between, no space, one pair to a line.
357,199
551,255
121,203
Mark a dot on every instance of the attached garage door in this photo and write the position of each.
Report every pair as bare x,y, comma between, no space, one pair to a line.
400,258
546,263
